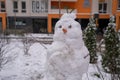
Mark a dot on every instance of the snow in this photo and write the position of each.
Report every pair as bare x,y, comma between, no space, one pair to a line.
22,66
68,16
32,65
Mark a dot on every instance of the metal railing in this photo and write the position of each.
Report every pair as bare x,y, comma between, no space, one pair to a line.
44,40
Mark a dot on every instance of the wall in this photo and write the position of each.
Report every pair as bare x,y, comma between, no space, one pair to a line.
3,16
116,13
94,6
9,6
64,5
81,8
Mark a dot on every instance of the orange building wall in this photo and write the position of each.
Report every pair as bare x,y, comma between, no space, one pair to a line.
3,16
118,21
50,16
116,13
63,5
114,6
2,0
80,7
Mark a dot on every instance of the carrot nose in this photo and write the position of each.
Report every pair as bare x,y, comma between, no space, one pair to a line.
64,30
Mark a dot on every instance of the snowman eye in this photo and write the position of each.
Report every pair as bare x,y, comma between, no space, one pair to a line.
70,26
60,26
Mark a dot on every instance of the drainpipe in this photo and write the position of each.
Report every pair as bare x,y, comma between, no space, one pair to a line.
59,8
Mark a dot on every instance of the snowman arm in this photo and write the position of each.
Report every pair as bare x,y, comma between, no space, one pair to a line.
86,56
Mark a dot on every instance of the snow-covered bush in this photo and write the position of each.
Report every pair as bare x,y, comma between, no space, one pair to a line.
26,44
90,39
111,56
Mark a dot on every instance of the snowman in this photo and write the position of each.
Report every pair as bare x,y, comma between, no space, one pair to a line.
67,56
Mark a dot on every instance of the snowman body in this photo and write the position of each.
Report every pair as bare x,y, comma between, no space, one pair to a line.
68,57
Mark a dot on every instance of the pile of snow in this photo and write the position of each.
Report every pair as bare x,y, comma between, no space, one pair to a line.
32,65
39,35
22,66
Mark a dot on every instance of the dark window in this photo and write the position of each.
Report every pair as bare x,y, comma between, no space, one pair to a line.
20,23
40,25
23,23
15,6
37,5
23,6
118,4
102,7
3,6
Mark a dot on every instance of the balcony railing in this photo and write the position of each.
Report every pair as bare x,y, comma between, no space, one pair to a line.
39,10
66,0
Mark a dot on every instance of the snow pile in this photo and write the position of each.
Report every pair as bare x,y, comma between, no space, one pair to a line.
24,67
32,66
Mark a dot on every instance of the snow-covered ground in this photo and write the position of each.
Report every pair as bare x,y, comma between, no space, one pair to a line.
30,64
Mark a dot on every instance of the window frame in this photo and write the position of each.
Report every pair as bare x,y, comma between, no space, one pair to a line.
103,7
15,6
2,6
20,23
23,6
39,6
118,6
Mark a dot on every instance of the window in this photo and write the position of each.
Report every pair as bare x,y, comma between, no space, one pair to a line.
33,6
102,6
39,6
20,23
118,4
23,6
15,6
2,6
86,3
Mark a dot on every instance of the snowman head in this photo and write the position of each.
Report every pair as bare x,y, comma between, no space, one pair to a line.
67,28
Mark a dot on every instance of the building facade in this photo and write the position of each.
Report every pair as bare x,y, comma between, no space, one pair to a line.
27,14
40,16
116,12
2,15
84,9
